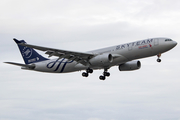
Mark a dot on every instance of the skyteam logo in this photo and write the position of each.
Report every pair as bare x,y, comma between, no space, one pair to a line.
59,64
27,52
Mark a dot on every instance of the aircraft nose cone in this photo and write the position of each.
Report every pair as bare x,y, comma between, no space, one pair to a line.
174,43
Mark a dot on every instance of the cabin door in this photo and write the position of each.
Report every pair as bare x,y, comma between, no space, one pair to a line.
130,47
156,42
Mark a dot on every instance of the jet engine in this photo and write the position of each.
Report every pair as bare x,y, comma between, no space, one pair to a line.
128,66
101,60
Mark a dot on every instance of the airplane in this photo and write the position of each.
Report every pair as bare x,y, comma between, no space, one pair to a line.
124,56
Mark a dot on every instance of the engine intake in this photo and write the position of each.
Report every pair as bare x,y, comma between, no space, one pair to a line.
129,66
101,60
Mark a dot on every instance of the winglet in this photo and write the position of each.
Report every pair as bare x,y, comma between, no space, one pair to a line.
18,41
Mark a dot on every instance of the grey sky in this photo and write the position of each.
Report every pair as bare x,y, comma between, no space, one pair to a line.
151,93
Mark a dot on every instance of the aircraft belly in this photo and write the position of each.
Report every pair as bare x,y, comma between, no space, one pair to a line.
74,67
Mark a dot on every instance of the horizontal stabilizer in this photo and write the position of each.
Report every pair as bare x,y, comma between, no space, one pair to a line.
22,65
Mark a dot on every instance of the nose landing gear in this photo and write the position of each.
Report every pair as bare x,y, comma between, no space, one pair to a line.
159,55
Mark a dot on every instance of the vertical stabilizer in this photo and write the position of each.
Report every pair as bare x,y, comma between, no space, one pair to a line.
29,54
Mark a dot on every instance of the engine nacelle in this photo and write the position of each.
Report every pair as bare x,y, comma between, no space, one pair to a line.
128,66
101,60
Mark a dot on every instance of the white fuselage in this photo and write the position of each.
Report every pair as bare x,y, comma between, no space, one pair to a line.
121,53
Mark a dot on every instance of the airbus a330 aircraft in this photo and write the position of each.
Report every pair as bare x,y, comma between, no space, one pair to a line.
124,56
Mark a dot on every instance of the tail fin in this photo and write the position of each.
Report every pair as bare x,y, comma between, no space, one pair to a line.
29,54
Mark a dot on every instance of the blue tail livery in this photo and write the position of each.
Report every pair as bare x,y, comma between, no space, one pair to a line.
29,54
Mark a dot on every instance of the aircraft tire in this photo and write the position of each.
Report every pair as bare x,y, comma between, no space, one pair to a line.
89,70
106,74
158,60
102,77
84,74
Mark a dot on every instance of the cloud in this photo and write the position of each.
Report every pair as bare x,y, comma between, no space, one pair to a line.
94,119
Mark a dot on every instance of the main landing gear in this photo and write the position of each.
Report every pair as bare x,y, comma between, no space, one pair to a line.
86,74
102,77
105,74
159,55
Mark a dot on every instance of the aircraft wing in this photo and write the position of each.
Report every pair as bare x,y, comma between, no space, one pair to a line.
71,55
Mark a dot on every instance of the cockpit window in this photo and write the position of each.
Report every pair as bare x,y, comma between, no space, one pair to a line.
168,40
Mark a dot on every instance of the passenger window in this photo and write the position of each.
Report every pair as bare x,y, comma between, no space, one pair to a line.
168,40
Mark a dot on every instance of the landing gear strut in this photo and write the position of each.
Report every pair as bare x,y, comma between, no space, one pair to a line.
86,74
159,55
105,74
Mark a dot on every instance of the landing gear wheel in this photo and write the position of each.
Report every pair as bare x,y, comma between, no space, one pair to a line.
89,70
158,60
106,74
102,77
84,74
